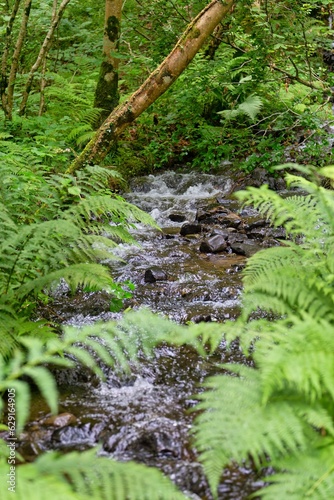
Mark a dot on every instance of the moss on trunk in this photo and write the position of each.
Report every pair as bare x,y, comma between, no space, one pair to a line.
106,94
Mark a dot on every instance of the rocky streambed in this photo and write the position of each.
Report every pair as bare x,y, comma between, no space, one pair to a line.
190,271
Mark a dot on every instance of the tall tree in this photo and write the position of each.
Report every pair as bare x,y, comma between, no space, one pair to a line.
106,95
55,20
156,84
7,96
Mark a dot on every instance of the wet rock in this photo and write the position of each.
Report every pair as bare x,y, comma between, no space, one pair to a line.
270,242
258,233
280,184
261,176
158,437
215,244
247,248
254,222
231,220
190,478
175,217
221,232
213,215
201,318
189,228
277,232
78,375
155,274
60,420
81,434
235,237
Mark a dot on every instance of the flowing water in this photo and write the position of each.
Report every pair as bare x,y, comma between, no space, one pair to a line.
146,416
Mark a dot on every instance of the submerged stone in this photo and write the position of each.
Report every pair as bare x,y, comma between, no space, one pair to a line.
188,228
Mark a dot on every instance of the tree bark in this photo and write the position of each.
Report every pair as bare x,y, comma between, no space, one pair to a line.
106,94
155,85
55,20
4,59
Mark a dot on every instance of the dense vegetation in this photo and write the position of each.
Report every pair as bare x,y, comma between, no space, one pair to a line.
257,94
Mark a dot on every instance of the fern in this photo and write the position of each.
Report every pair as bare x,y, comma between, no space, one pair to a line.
116,344
281,413
250,107
55,227
80,476
309,475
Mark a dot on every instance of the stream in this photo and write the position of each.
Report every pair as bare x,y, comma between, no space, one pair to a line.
189,271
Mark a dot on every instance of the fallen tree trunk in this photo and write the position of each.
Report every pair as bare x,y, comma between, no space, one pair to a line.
155,85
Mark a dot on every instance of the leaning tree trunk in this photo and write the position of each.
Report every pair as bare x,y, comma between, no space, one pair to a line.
155,85
106,94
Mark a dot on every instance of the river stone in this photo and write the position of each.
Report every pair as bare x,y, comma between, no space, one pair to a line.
79,434
175,217
219,231
189,228
155,274
215,244
258,233
254,223
159,437
235,237
231,220
60,420
277,232
247,248
203,214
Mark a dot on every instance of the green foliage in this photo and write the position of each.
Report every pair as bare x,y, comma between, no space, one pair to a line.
80,476
277,413
250,107
280,413
55,227
114,344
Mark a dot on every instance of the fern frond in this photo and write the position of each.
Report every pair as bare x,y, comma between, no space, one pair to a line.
82,476
308,475
271,279
250,107
115,207
93,276
300,215
233,408
309,370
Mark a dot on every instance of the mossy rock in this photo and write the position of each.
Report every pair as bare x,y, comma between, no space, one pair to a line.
130,163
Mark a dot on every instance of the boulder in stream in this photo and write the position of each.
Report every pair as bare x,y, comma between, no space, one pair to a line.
189,228
247,248
215,244
154,274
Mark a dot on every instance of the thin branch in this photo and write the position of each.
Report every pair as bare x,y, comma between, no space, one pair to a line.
42,89
15,61
178,12
4,59
296,78
42,53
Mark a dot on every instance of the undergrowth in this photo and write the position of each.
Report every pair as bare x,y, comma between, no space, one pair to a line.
278,413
